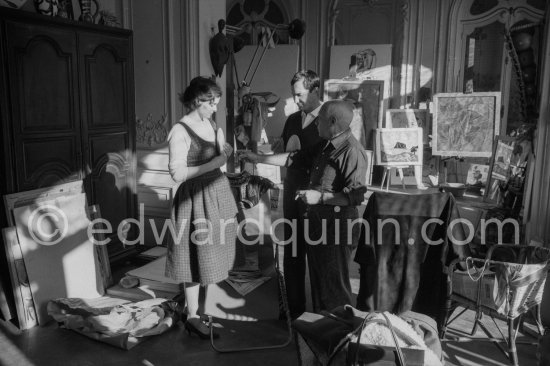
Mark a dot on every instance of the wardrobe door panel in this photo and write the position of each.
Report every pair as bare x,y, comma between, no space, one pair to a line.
109,186
106,105
110,168
107,75
47,162
43,83
108,121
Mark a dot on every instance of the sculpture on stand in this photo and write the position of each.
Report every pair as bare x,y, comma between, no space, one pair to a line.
220,49
255,106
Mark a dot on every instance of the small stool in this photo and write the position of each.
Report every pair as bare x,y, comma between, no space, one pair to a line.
387,176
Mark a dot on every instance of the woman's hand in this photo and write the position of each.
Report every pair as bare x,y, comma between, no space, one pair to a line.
227,150
219,161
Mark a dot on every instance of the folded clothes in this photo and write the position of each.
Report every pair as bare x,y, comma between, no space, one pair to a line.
135,319
122,325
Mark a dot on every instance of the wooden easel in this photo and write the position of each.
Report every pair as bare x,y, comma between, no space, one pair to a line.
387,175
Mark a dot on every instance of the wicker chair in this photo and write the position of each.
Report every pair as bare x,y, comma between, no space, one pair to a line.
507,283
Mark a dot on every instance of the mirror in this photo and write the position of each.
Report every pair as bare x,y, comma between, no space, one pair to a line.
484,50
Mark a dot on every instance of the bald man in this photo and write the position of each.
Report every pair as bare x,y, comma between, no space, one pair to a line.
338,167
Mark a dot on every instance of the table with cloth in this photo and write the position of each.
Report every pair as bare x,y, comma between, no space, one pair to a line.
402,269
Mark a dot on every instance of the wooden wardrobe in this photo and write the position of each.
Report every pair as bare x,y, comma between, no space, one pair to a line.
67,112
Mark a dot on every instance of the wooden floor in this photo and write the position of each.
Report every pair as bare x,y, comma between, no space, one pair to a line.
51,346
477,350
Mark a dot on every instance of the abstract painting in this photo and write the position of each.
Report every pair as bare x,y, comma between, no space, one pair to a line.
465,124
399,146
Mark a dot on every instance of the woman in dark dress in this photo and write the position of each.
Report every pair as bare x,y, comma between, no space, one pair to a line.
202,251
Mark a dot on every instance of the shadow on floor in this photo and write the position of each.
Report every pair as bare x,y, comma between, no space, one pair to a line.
50,345
478,350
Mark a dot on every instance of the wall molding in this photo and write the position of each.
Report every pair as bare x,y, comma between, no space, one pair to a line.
169,55
537,214
151,133
127,14
191,39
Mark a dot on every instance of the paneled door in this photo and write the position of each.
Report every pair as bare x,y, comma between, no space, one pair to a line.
107,113
45,115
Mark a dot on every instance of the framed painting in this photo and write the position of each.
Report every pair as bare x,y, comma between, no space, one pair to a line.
399,146
465,124
405,118
477,175
25,301
499,167
367,96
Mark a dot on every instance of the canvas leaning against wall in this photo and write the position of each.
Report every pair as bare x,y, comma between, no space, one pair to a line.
363,62
477,175
408,118
367,62
465,124
367,97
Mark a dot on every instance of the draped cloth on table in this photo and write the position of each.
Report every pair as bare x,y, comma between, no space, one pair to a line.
400,270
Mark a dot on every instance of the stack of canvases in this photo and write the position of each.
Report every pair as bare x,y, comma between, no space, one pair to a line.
52,255
49,252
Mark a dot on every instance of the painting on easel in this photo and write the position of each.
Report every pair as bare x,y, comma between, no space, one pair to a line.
399,146
465,124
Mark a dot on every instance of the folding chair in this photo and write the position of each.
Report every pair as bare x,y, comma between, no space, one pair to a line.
283,307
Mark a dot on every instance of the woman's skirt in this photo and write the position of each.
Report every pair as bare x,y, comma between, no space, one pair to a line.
201,248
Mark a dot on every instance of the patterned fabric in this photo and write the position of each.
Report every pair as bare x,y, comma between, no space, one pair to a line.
122,325
247,189
203,210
